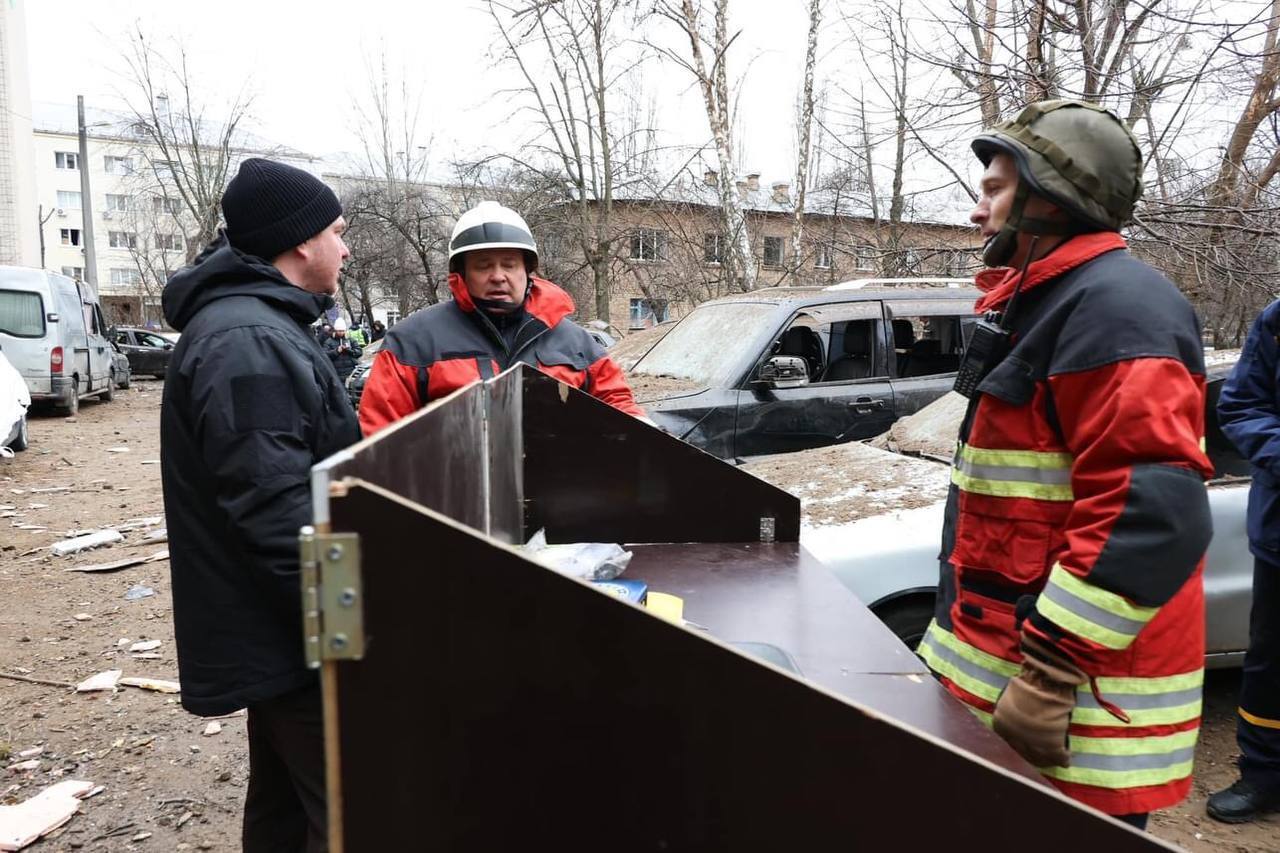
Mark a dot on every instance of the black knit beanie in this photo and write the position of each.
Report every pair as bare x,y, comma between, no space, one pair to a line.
271,207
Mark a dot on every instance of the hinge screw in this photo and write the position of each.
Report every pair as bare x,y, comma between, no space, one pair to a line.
338,642
347,597
335,553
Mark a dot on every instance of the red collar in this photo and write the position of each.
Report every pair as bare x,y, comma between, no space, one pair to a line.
997,283
545,301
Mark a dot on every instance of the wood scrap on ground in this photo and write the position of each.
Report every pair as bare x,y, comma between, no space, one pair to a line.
32,819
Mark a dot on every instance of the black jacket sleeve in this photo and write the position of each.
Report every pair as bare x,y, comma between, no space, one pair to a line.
255,400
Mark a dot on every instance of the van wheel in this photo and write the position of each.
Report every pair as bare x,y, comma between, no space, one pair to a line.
109,394
72,405
123,384
21,442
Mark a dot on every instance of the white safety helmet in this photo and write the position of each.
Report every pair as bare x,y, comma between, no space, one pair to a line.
340,325
490,225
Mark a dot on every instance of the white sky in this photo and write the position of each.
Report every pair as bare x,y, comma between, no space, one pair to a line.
304,60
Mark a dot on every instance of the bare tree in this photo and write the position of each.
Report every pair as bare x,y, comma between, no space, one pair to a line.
188,147
576,63
713,81
398,221
806,126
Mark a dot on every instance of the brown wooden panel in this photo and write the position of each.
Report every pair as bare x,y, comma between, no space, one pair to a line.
504,403
594,474
435,457
503,707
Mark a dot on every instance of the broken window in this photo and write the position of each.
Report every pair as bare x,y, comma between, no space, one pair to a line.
69,236
927,337
713,248
773,251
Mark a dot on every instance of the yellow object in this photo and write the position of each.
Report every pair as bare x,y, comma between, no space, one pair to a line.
669,607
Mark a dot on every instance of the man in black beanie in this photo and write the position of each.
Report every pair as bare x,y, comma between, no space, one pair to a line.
251,402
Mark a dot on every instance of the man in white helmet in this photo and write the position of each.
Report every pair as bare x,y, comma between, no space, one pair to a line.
501,315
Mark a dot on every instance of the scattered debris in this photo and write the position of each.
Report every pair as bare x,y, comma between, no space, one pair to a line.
83,543
141,836
156,684
37,506
147,656
139,523
119,450
32,819
82,617
145,646
50,490
138,591
161,535
23,766
150,461
212,729
33,752
126,563
102,681
186,816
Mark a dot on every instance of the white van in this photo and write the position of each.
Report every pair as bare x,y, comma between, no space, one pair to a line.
52,331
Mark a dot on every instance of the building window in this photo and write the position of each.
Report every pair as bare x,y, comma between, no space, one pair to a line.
822,259
713,248
164,204
169,242
866,258
122,239
69,236
648,312
66,160
73,272
393,317
648,244
121,276
773,251
117,165
957,264
118,202
68,200
911,260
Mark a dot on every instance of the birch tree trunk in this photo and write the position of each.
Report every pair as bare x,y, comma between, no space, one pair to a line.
806,125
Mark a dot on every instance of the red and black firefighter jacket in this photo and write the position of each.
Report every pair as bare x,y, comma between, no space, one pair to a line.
438,350
1078,512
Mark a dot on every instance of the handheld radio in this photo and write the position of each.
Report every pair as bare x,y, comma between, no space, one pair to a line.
991,339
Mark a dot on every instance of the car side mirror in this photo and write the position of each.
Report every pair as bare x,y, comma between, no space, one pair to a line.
784,371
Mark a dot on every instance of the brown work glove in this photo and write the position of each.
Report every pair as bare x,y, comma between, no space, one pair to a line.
1034,711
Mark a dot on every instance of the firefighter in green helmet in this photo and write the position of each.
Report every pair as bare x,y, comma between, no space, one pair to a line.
1070,607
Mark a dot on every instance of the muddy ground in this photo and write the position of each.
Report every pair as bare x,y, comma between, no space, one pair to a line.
167,786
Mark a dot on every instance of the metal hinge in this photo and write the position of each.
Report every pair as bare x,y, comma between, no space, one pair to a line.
332,603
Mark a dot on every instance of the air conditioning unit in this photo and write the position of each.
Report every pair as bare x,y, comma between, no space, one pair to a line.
106,214
60,212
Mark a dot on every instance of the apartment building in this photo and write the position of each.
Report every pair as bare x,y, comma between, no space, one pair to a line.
671,249
18,232
141,226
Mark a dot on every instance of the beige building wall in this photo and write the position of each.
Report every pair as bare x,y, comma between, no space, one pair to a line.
19,240
665,255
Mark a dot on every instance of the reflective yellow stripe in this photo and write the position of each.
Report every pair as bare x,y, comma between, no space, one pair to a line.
1107,619
1013,473
1016,458
1259,721
1128,762
969,668
1161,701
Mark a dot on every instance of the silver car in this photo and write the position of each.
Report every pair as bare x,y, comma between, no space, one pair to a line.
889,560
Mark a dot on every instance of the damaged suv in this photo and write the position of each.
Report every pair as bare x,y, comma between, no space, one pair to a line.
785,369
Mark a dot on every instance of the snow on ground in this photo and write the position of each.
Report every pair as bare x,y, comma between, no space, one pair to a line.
847,482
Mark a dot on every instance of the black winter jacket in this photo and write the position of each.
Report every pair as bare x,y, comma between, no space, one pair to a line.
343,362
251,402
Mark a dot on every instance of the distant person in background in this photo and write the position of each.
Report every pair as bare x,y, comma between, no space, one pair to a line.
1250,416
251,402
378,332
342,351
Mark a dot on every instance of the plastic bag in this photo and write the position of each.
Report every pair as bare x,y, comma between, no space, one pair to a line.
589,561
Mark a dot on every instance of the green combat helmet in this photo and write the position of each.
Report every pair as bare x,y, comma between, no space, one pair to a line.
1079,156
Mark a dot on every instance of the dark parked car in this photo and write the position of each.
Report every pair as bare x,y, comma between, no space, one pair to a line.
785,369
147,351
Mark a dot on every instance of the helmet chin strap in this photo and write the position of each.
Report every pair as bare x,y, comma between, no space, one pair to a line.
1000,247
